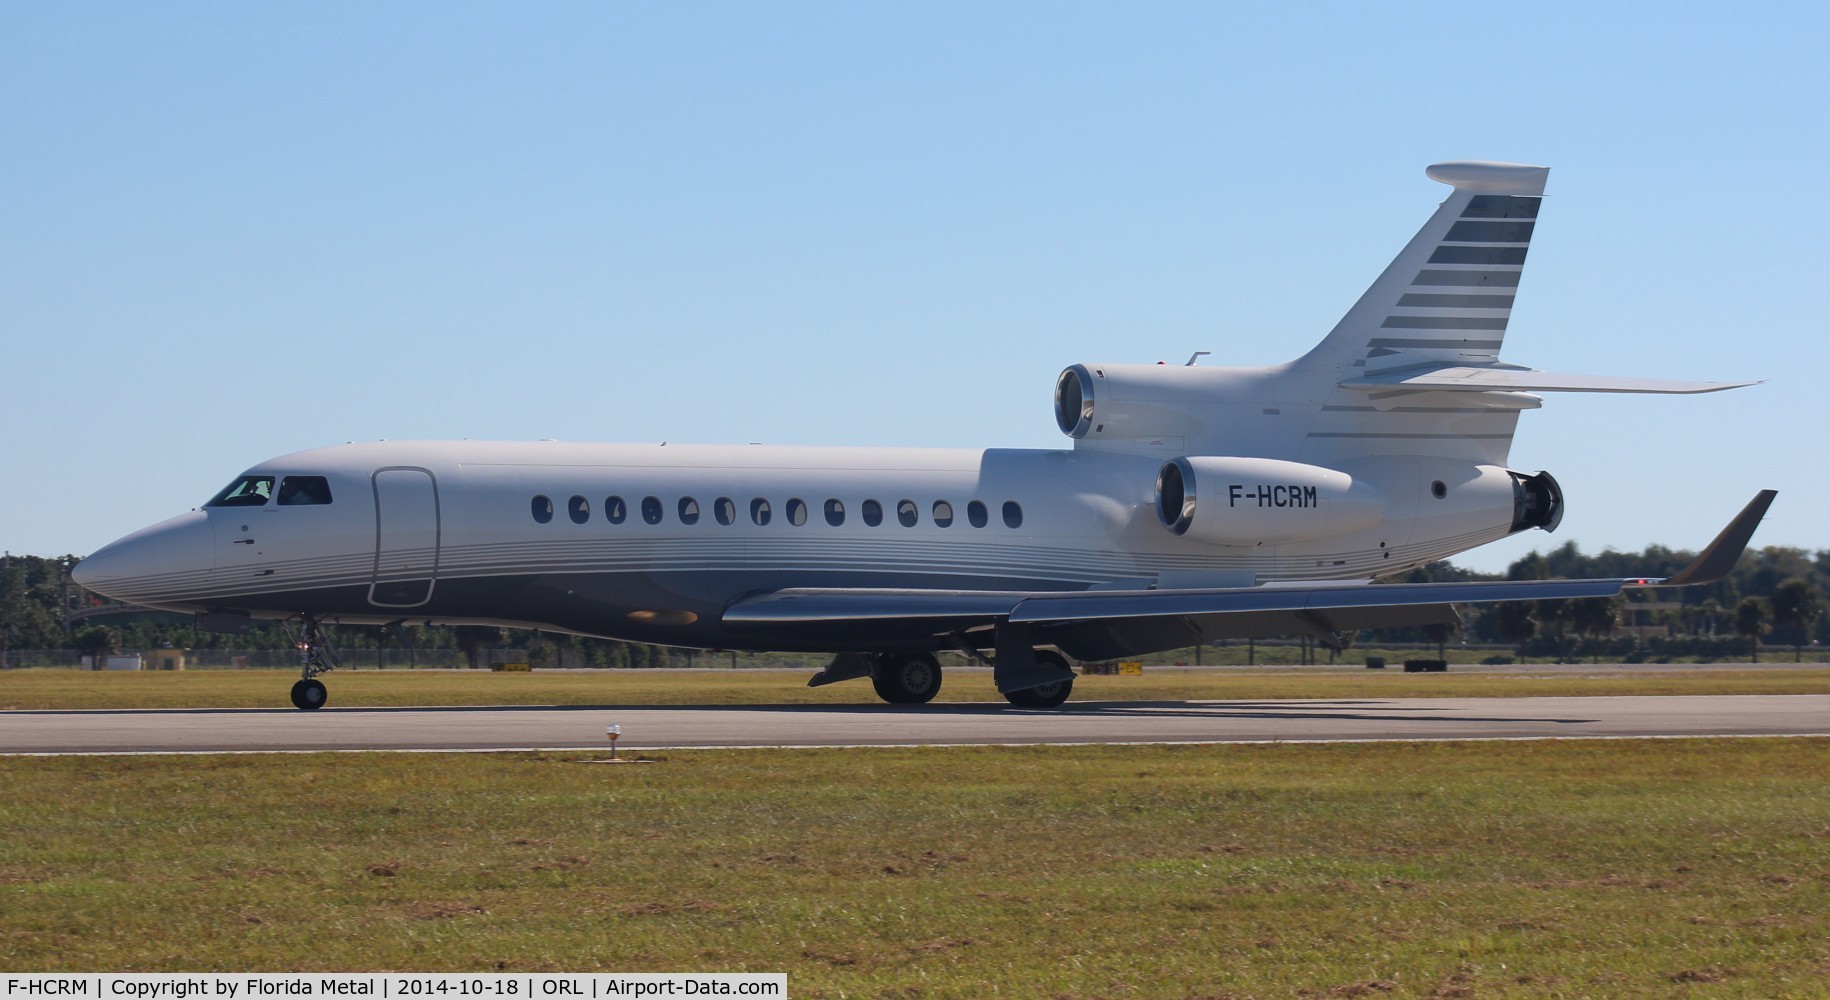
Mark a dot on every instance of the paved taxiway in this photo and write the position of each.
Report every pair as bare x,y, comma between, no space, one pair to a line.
209,730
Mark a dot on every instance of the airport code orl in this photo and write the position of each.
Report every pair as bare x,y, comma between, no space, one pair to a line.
1273,496
547,986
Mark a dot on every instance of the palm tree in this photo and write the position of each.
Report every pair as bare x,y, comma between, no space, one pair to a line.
1439,633
1517,621
1708,613
1594,617
97,641
1796,604
1750,621
1552,617
477,639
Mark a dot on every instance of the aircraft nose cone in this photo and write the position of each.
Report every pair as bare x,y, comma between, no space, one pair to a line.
160,564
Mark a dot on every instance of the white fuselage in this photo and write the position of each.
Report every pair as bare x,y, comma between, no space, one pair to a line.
631,541
1196,504
1381,448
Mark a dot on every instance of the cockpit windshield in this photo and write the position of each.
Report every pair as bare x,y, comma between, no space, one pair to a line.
302,490
248,491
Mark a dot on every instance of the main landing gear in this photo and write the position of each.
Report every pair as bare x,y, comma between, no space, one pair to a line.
1027,677
900,678
316,656
1048,695
907,678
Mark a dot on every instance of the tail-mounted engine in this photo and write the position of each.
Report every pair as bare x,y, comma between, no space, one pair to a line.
1148,407
1255,501
1076,401
1537,502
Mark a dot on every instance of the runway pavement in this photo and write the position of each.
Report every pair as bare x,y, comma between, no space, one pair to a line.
453,729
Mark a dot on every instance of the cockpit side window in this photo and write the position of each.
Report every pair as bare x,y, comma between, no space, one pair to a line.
248,491
301,490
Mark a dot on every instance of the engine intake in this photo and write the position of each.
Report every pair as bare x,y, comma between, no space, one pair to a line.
1257,501
1139,407
1074,401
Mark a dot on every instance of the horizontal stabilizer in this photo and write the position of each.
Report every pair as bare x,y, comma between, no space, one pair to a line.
1505,378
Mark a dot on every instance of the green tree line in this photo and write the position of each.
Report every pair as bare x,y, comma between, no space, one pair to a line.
1774,594
36,599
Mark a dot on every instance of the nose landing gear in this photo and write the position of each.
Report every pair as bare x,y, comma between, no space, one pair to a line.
316,656
309,694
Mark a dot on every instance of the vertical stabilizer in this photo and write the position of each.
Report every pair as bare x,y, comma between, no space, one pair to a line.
1447,296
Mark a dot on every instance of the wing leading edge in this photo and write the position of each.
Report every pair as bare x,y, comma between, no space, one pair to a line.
1095,625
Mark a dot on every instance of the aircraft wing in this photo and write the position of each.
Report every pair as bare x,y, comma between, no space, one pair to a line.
1507,378
1103,624
806,606
1099,625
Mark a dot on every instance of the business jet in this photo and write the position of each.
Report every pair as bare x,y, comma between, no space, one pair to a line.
1196,503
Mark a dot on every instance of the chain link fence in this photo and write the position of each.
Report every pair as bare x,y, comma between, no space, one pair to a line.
256,659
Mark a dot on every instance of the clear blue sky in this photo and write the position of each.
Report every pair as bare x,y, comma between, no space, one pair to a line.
232,231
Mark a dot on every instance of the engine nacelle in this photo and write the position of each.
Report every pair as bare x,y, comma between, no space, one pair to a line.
1262,501
1147,404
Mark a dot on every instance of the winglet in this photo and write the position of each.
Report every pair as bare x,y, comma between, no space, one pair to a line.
1720,555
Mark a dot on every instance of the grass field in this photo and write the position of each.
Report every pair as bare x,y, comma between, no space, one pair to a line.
1606,868
74,689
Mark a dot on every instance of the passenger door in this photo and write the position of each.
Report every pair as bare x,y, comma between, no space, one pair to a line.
406,538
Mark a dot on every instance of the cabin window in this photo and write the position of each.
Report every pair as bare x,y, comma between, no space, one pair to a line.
872,512
579,509
797,511
1013,514
724,510
248,491
835,513
651,510
304,491
908,513
976,514
759,510
615,510
543,509
689,510
943,513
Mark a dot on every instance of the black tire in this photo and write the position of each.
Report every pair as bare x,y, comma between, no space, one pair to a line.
907,679
1048,695
309,695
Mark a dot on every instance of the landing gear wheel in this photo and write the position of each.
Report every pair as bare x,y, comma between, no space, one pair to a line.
316,656
907,679
1046,696
309,694
1050,695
